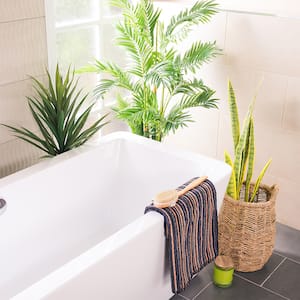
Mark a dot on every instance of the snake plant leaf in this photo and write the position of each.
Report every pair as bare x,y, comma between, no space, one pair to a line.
240,154
250,160
235,122
231,188
259,179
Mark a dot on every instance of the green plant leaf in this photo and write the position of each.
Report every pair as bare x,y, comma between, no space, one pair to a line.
235,122
157,75
231,187
55,111
181,25
259,179
250,160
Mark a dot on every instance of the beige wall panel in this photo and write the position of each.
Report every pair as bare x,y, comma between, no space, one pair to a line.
266,43
23,50
11,10
17,155
14,108
291,120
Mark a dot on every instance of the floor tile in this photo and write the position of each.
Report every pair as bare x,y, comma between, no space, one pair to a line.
240,289
177,297
285,280
199,282
288,242
259,276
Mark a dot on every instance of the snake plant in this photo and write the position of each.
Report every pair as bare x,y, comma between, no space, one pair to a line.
160,78
57,112
244,152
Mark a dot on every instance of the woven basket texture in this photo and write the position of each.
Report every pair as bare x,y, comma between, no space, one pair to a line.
247,230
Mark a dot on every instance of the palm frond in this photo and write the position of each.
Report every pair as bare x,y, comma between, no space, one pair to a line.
164,74
181,25
198,54
197,94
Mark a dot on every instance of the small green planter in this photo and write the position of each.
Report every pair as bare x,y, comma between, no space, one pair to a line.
223,271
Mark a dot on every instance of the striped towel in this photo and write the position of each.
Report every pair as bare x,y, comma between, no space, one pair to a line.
191,230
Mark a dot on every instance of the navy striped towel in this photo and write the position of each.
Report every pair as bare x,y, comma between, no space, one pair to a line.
191,230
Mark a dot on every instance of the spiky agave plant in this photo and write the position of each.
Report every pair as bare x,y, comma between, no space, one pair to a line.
56,111
244,153
162,82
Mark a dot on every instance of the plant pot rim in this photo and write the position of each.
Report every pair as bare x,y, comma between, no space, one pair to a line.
273,190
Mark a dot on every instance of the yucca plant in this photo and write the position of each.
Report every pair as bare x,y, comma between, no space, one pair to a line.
244,153
162,82
56,110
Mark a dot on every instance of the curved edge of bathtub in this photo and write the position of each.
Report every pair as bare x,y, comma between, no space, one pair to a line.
53,281
119,135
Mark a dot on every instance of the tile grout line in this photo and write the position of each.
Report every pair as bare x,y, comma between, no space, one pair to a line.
202,290
183,297
262,287
268,277
293,260
279,254
289,258
21,80
22,19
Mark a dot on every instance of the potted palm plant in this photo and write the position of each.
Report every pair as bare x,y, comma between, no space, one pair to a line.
162,82
247,215
58,112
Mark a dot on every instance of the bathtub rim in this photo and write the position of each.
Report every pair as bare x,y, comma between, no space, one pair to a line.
93,146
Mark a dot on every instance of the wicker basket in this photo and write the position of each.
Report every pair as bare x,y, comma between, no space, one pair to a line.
247,230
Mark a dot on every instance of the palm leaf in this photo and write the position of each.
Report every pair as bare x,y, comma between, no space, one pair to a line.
198,54
181,25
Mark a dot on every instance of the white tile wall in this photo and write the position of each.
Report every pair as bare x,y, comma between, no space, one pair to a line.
257,47
265,43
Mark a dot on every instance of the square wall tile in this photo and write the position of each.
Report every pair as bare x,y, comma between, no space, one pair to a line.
291,119
23,50
283,147
200,136
268,88
288,204
266,43
16,10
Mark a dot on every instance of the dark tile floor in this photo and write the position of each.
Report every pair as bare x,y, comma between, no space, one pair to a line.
279,279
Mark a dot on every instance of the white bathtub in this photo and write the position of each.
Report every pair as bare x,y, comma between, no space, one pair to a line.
74,226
